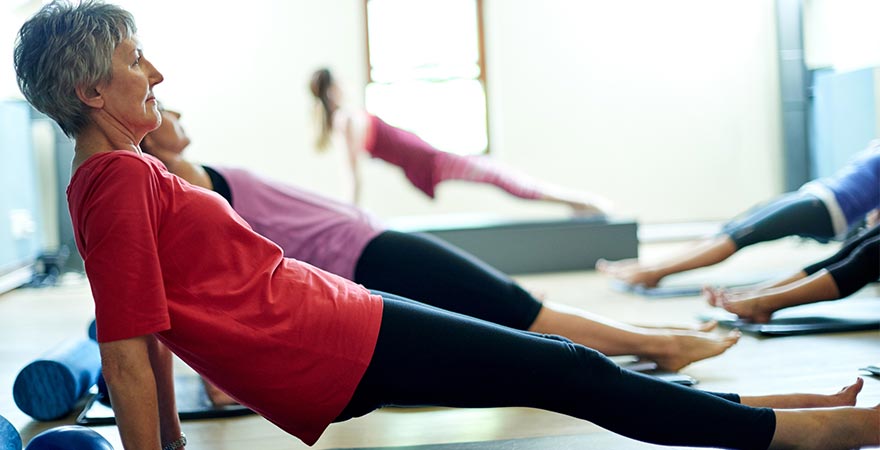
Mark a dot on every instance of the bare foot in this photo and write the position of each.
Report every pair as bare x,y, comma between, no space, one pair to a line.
582,204
217,397
752,307
630,272
827,428
613,267
684,347
589,204
844,397
712,294
585,210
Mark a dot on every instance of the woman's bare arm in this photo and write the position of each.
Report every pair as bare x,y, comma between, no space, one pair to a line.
163,370
131,378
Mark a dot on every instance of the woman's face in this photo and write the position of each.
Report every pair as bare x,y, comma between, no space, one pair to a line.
170,136
128,96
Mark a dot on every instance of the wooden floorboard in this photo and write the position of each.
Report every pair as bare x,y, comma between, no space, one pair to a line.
35,320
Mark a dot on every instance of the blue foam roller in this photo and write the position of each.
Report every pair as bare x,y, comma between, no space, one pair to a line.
93,330
49,388
69,437
9,437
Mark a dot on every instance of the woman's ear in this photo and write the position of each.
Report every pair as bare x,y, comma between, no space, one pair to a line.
91,96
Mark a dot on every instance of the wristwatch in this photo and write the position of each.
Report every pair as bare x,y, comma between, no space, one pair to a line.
174,445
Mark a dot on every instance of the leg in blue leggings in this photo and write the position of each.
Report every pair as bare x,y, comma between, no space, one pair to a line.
426,356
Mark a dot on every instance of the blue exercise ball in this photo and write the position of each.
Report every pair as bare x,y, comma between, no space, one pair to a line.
69,437
9,438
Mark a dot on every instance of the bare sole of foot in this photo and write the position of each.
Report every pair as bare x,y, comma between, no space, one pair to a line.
611,267
689,347
630,272
748,308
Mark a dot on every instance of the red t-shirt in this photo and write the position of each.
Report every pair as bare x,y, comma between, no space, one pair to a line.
163,257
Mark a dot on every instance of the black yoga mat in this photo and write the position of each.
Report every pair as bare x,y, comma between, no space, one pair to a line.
192,404
854,314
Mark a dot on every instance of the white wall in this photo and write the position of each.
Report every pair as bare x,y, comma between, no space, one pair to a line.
841,34
670,108
877,98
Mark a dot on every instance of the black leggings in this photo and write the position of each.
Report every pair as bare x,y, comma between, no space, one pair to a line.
792,214
432,271
856,264
427,356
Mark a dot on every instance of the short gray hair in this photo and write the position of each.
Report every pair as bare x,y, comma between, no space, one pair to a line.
65,46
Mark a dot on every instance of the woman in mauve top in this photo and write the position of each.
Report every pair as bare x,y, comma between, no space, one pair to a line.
422,164
172,266
345,240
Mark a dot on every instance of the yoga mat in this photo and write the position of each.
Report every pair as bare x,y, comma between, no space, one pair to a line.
192,404
853,314
873,369
650,368
656,292
691,284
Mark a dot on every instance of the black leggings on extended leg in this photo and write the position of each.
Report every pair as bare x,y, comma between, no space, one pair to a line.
856,264
792,214
437,273
427,356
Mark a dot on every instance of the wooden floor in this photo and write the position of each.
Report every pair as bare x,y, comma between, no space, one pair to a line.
35,320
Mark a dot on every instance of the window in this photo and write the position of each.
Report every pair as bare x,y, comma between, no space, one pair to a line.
427,71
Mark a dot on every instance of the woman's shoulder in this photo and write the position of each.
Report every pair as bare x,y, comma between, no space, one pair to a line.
102,164
119,158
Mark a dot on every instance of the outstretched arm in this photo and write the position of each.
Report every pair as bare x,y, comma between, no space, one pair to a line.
139,378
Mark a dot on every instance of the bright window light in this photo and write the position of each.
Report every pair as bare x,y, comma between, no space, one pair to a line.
425,71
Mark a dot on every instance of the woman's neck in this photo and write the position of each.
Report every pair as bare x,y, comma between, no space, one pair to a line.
93,140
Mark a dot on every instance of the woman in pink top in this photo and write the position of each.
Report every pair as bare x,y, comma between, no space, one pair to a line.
345,240
172,266
425,166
